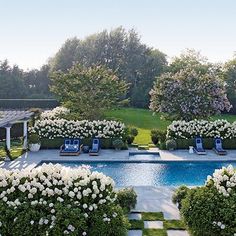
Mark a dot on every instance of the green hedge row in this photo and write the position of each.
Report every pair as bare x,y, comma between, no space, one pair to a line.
27,103
208,143
57,142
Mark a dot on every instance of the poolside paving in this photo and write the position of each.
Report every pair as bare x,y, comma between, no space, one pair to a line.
156,199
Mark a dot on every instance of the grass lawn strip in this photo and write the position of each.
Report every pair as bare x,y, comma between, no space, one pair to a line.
136,224
154,232
153,216
174,224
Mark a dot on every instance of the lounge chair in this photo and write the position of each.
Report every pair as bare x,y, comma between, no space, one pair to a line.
70,147
218,147
199,146
94,151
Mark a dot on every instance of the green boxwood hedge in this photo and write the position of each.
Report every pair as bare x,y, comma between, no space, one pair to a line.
27,103
57,142
207,142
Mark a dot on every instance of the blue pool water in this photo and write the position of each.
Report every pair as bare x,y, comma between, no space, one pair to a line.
155,174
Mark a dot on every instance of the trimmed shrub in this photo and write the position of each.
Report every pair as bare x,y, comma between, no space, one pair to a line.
117,143
179,194
211,209
206,129
171,144
208,143
61,128
130,139
108,221
54,200
57,142
133,131
127,198
158,136
27,103
34,138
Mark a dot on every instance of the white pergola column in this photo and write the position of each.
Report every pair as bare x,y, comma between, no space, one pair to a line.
8,137
25,134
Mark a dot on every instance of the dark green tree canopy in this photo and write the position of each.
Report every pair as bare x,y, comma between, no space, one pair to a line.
12,85
120,51
230,79
89,91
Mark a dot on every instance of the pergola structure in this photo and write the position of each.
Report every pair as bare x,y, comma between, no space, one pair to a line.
8,118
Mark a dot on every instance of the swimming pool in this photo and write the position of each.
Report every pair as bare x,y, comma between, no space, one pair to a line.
170,173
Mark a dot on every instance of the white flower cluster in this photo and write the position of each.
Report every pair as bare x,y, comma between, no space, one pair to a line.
224,180
219,224
50,184
207,129
61,128
54,113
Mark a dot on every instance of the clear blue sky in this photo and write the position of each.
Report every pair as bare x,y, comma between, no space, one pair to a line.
31,31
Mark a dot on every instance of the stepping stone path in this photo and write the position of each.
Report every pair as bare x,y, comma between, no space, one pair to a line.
153,224
135,216
135,233
177,233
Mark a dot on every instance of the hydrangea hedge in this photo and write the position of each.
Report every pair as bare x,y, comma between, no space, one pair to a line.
55,113
206,129
62,128
57,200
211,209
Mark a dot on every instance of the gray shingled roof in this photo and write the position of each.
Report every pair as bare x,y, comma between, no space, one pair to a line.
11,117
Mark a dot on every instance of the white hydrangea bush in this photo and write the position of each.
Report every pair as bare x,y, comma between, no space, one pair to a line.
207,129
224,180
52,200
54,113
61,128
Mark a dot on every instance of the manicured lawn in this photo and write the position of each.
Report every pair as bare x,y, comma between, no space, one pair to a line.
144,121
15,152
152,216
136,224
154,232
174,224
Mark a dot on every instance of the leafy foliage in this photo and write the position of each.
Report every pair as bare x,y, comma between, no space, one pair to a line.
122,52
127,198
89,91
52,200
189,95
211,210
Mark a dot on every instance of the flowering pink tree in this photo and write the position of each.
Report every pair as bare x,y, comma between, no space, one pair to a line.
189,95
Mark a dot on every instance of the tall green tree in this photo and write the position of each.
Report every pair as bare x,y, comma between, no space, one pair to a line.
230,79
89,91
11,80
37,82
188,95
120,51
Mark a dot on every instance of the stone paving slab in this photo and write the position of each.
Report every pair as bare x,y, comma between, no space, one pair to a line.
177,233
135,233
155,224
156,199
135,216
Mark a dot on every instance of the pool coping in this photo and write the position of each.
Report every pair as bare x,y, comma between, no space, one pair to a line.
132,161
